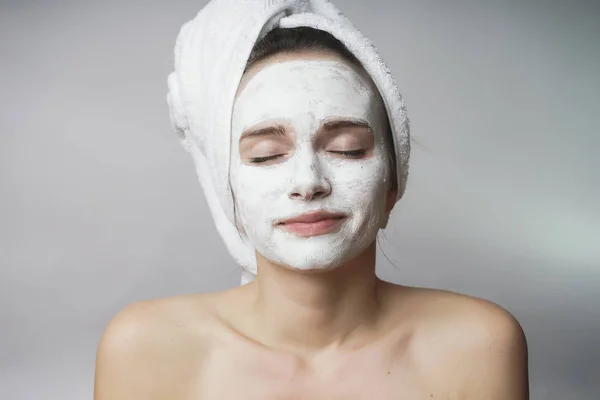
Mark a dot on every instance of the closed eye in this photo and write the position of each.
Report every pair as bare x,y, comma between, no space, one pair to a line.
350,153
259,160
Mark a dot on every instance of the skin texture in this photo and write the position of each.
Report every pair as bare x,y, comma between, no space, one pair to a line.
329,333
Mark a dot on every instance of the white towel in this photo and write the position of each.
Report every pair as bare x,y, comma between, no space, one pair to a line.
210,56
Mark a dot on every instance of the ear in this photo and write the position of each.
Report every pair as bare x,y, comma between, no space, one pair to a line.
389,204
391,199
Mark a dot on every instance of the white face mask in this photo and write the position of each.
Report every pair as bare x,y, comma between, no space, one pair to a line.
279,176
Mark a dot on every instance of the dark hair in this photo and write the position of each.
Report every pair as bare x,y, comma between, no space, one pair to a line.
306,39
299,39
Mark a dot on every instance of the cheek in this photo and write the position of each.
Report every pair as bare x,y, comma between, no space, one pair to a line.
257,187
360,182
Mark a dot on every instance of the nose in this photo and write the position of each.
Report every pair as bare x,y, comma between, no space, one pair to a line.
309,182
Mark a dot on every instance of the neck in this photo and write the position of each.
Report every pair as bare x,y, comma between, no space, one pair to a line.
309,311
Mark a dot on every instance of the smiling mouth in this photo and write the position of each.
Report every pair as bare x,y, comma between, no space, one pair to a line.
313,224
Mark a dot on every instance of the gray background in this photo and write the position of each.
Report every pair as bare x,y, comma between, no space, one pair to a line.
100,206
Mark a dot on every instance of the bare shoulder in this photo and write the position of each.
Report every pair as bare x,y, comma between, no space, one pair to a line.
472,344
149,347
451,310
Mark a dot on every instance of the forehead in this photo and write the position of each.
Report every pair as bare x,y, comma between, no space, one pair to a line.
298,55
317,87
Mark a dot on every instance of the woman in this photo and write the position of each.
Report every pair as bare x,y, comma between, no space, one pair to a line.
313,176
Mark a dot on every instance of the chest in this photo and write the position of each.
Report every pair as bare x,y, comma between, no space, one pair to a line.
375,375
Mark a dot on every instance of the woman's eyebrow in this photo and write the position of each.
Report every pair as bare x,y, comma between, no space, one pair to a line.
345,123
276,130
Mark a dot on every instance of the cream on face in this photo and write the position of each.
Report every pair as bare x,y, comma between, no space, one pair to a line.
290,157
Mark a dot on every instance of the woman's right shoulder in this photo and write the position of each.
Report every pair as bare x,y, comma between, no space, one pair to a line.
147,344
186,314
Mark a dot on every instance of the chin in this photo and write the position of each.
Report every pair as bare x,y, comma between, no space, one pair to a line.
304,258
307,264
313,269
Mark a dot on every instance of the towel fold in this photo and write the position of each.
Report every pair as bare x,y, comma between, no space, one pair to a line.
210,57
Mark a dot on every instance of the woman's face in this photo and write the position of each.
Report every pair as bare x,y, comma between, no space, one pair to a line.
307,136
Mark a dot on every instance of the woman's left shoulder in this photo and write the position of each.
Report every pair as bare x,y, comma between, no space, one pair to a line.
455,311
476,341
483,319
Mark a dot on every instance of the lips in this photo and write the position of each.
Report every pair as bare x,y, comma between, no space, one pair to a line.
313,223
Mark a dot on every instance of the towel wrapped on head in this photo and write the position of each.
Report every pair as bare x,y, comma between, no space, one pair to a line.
211,53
